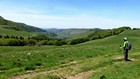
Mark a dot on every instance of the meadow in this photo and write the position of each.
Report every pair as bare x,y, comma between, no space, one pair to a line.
98,56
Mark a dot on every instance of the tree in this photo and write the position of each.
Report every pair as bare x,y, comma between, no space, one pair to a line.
40,37
21,37
136,28
0,36
6,36
12,36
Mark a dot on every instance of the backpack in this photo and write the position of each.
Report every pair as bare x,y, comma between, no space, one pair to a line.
129,46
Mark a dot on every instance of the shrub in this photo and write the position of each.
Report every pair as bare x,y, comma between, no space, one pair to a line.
30,42
16,37
106,33
50,42
10,42
0,36
4,68
44,42
12,36
102,77
59,42
21,37
29,68
38,64
39,44
136,28
18,63
1,64
29,38
40,37
77,41
6,36
13,42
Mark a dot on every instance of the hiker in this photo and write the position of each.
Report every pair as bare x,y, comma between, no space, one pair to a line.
126,48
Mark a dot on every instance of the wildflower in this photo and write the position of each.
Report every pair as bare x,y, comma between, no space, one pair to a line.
28,53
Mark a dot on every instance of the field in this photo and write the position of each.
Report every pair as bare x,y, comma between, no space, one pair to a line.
98,59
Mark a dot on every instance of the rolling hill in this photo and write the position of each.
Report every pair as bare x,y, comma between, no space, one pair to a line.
97,59
72,33
18,26
8,27
11,32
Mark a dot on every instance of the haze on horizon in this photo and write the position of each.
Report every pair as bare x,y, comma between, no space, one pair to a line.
73,13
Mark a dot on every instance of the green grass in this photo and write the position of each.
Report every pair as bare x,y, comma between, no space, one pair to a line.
122,70
9,32
92,55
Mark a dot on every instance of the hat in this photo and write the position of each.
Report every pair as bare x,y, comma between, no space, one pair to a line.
125,38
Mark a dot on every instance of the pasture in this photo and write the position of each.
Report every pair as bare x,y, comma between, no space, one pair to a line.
99,58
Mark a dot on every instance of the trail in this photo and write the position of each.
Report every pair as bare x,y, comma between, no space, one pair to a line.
82,75
32,74
122,57
47,71
73,74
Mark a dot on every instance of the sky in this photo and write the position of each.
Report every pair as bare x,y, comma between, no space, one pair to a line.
104,14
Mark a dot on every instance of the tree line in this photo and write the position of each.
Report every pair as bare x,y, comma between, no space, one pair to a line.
40,40
99,35
6,40
14,37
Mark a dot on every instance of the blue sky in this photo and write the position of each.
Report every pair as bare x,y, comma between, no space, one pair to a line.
73,13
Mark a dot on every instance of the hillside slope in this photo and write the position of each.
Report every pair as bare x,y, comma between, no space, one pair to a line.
20,29
11,32
18,26
97,59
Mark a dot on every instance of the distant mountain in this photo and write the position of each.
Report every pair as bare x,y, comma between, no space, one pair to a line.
18,26
72,33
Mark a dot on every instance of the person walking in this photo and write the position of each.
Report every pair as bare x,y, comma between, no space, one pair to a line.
126,49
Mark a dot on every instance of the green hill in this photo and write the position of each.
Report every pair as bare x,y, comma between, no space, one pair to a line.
18,26
11,32
11,28
97,59
72,33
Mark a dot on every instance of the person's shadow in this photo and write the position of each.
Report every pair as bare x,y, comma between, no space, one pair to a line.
119,60
128,60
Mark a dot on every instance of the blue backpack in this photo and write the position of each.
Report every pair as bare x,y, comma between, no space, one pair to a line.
129,46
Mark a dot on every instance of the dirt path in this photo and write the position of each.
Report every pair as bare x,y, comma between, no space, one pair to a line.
33,74
69,75
82,75
59,70
73,65
122,57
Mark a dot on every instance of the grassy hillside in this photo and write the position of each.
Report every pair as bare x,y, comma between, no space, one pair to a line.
99,59
18,26
11,32
8,27
71,33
